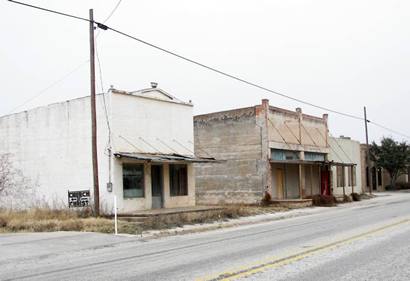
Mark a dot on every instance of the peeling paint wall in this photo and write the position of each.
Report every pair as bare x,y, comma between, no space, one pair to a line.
51,145
292,130
147,125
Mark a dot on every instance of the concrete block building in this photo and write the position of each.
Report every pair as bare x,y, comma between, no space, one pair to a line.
145,149
266,149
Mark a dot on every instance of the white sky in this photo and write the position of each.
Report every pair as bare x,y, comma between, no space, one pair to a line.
338,54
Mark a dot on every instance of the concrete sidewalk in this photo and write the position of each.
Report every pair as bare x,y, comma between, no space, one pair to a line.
263,218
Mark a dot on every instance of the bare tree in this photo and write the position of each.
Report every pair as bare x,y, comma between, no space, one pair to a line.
14,186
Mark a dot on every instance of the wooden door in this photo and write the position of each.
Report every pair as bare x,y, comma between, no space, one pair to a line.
325,183
280,175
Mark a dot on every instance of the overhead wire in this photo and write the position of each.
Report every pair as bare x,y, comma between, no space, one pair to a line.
112,12
324,138
105,27
51,85
341,148
101,75
213,69
108,146
388,129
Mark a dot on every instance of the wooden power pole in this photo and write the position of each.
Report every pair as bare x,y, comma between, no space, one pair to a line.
94,119
368,170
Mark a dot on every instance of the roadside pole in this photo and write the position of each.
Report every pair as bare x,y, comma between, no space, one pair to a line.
115,215
368,171
94,119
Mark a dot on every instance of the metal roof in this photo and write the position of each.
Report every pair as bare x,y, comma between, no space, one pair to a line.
152,157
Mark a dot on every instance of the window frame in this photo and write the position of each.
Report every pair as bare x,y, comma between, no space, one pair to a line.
340,177
173,168
141,165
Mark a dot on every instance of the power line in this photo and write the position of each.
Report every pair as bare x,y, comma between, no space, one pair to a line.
104,27
96,49
233,76
388,129
112,12
337,155
44,90
108,146
109,16
237,78
341,148
50,11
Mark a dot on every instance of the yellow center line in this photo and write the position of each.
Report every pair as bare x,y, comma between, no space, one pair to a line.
274,262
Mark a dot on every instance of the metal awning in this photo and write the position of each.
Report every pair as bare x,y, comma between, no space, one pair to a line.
306,162
340,163
154,157
303,162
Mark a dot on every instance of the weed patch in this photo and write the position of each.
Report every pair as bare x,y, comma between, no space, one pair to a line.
324,200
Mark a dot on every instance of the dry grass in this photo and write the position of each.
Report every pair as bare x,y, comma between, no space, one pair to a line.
41,220
45,219
324,200
229,212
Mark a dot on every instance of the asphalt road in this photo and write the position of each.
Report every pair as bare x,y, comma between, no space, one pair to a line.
368,240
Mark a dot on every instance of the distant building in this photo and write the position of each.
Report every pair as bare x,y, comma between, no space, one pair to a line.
380,177
346,177
267,149
145,149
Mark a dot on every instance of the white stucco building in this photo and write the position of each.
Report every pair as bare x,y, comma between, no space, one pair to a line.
346,177
145,149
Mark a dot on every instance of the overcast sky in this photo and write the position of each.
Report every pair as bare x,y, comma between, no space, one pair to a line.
338,54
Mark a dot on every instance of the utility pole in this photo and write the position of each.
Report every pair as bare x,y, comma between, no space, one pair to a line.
94,119
368,172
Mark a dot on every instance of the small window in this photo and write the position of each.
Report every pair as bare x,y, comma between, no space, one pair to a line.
178,179
340,172
133,180
313,156
278,154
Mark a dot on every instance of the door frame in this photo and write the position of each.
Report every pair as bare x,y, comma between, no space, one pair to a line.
161,184
325,181
280,185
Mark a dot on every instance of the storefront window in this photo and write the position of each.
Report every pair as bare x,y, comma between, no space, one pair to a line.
133,180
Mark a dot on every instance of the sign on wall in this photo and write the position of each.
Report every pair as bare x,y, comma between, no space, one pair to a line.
78,198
